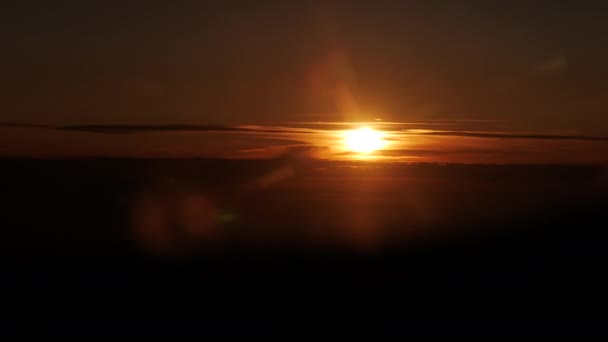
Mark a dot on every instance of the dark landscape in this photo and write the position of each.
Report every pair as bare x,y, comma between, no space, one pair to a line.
488,246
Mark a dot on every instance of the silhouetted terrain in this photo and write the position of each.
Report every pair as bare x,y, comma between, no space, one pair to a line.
265,243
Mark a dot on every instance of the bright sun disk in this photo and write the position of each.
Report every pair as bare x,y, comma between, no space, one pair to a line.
364,140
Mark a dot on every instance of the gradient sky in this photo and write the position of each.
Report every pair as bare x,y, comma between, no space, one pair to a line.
534,67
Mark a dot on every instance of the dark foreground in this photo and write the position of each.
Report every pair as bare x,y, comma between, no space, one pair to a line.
241,247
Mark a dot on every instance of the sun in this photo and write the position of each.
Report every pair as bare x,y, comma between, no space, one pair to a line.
364,140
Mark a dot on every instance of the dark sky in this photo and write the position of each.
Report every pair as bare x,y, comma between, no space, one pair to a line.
538,63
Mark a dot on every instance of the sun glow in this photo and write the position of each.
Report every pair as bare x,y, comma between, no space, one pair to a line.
364,140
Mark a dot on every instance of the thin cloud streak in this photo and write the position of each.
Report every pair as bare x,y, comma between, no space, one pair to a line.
399,153
305,128
134,129
510,135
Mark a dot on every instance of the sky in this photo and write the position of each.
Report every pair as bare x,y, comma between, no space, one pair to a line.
518,68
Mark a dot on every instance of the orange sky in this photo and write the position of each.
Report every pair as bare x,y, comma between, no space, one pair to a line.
539,63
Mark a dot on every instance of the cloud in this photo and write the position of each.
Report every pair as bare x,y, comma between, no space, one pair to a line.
510,135
133,129
304,149
389,125
399,153
311,128
252,150
299,151
20,125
